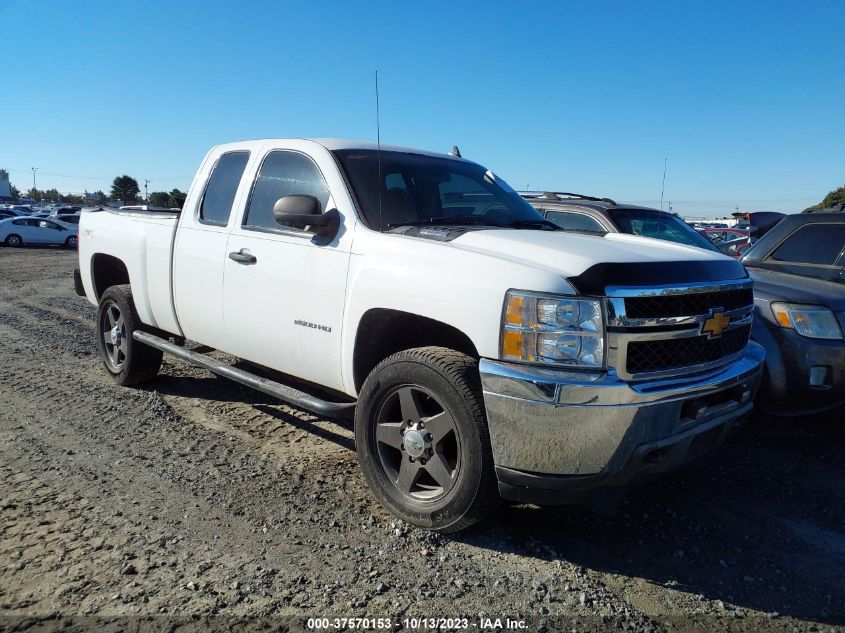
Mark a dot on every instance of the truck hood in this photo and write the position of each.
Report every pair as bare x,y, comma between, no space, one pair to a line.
593,262
771,285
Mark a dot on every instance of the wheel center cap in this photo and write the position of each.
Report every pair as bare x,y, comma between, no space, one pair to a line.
415,442
115,336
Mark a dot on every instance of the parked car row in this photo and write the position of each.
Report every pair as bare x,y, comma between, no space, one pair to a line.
21,225
731,242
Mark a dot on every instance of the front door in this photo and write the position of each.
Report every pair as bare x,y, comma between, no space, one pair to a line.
284,289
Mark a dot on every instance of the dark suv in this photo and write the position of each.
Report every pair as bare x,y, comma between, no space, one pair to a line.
798,268
587,214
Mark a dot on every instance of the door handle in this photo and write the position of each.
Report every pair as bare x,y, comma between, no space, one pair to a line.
242,258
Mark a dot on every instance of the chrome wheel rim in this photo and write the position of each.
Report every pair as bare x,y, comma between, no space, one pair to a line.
113,331
14,240
417,443
72,242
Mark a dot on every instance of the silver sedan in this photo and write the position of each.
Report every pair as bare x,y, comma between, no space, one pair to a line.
29,230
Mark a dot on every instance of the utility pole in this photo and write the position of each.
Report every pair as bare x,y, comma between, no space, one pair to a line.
146,195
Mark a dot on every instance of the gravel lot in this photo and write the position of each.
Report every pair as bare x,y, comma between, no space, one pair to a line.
195,503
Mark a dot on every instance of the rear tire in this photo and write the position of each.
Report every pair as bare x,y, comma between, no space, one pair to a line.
72,241
422,439
127,361
14,240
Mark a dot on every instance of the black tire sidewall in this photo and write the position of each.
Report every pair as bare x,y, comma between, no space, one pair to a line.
141,362
72,242
451,508
110,296
9,237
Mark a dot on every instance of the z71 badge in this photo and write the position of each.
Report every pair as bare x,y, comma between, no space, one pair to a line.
313,326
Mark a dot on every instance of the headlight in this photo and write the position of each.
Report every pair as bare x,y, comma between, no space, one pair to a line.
807,320
552,329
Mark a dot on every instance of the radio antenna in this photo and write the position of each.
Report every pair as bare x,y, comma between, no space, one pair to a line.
378,157
663,186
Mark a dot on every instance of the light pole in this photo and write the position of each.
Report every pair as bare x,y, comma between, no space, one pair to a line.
34,169
146,195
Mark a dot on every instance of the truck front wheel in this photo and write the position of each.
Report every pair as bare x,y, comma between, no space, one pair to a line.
127,361
422,440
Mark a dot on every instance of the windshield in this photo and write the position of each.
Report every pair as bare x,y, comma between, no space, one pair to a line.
659,225
418,189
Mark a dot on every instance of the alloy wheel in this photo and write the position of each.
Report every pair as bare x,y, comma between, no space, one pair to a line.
417,443
113,331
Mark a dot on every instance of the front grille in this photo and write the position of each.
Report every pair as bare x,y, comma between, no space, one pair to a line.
692,304
665,354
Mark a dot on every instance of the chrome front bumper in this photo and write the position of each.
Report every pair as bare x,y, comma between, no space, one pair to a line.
568,431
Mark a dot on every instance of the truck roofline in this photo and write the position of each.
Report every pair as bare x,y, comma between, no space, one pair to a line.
335,144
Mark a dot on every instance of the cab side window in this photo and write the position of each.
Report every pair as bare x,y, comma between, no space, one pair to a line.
819,244
222,186
283,173
575,221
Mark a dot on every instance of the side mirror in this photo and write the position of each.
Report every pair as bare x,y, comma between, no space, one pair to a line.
304,213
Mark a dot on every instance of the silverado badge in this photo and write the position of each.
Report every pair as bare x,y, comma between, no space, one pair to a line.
715,325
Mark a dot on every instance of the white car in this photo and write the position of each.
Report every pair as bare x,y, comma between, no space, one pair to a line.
29,230
484,352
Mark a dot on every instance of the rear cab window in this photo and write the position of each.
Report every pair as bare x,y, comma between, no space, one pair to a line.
216,205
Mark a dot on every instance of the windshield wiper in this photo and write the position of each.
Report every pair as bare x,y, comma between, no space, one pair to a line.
455,219
518,224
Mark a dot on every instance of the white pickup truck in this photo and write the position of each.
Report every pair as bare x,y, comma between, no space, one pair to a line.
483,352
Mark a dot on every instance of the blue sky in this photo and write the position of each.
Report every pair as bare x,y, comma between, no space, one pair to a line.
746,99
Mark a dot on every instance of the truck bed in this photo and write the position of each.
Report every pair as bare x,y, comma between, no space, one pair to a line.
143,241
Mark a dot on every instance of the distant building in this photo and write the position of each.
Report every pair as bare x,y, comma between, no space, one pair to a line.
5,185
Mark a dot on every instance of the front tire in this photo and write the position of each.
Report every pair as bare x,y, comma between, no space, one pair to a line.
422,440
127,361
14,240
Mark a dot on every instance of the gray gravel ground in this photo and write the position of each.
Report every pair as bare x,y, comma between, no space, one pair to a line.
194,503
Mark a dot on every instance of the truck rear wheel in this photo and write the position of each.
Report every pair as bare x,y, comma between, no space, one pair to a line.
127,361
422,440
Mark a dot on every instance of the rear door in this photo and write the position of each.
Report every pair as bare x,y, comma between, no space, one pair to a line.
284,306
24,228
200,251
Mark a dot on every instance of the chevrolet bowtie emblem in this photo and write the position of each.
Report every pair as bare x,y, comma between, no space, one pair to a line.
715,325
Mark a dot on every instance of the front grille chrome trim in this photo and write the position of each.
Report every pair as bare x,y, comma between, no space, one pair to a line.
662,335
623,330
616,317
674,289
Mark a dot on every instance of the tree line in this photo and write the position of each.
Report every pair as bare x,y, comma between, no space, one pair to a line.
837,196
124,190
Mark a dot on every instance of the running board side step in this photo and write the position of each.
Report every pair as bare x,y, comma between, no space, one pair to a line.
270,387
